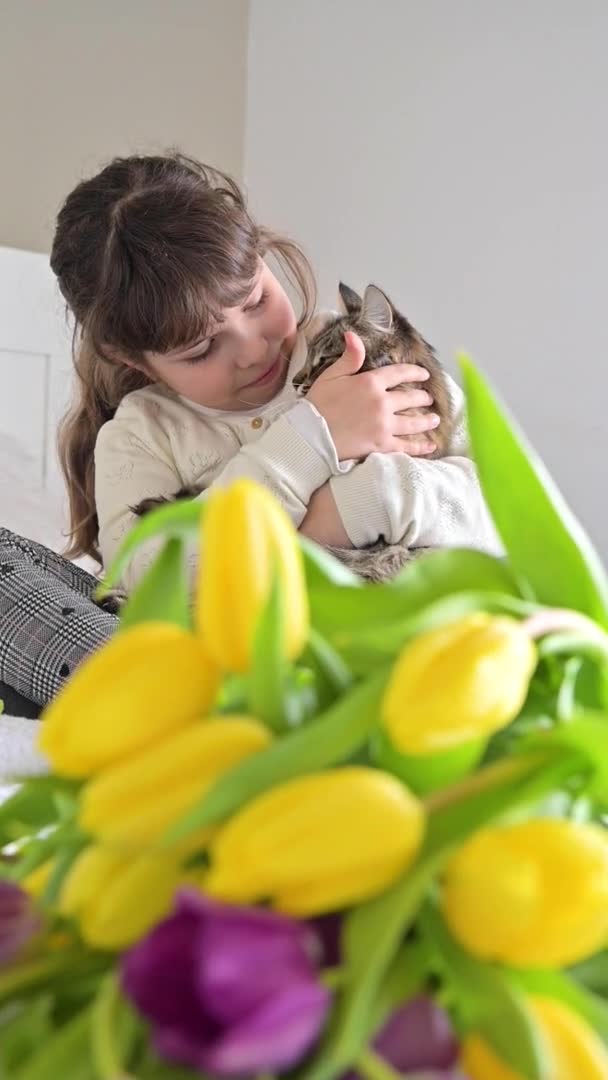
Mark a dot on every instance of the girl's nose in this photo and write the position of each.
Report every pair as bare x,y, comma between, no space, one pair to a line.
253,354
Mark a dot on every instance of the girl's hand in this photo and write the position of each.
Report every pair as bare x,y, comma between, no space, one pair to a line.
362,416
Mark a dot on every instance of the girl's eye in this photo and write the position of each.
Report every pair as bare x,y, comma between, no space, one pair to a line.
201,356
260,303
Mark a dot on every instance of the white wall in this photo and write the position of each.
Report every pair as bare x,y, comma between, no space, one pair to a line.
84,80
457,154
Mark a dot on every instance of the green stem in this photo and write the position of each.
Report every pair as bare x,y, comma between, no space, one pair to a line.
106,1054
373,1067
22,976
333,666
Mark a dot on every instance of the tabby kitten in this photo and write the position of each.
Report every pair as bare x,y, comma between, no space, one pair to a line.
389,338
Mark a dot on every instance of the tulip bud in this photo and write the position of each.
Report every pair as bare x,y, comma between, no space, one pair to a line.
457,683
532,894
144,684
134,803
116,899
231,992
246,539
298,843
574,1050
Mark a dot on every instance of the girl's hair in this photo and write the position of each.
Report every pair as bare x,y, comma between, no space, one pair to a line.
147,254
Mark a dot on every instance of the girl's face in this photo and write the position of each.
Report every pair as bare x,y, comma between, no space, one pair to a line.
243,363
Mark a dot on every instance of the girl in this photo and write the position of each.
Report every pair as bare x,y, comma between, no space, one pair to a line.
187,349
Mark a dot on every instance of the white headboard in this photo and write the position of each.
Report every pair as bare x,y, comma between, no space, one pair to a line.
35,380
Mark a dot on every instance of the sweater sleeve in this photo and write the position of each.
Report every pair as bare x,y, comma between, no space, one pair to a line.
134,461
422,503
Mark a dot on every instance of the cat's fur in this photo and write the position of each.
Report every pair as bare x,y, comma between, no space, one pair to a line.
389,338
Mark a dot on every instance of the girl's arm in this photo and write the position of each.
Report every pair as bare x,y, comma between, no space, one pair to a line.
134,460
423,503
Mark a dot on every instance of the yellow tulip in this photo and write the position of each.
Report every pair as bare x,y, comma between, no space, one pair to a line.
532,894
115,898
319,842
145,684
575,1051
457,683
132,804
246,538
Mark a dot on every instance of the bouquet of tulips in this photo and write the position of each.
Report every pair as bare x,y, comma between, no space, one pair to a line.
304,825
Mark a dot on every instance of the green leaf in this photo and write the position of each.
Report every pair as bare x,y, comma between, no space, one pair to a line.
29,976
405,977
66,1053
115,1029
333,737
332,675
62,864
431,577
374,635
22,1032
557,984
322,568
371,937
449,570
489,1001
593,973
424,773
33,805
178,519
268,673
545,543
502,787
163,592
586,733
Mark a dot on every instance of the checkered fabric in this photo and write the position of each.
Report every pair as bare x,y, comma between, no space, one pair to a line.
48,620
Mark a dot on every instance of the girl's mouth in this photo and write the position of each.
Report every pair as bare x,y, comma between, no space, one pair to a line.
268,375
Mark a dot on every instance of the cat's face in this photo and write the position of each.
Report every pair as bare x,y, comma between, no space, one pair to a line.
372,317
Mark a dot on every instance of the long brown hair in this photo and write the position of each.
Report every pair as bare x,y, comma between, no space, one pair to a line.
147,255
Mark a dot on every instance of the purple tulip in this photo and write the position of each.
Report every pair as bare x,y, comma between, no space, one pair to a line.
230,991
417,1036
19,921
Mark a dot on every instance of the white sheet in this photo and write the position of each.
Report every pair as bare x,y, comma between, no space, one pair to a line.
26,506
19,756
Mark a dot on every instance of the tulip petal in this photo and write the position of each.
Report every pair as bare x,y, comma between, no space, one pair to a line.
274,1036
246,535
132,804
457,683
531,894
296,843
418,1035
142,685
246,959
159,974
117,899
206,951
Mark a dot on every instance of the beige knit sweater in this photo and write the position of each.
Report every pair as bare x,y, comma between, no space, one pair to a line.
158,442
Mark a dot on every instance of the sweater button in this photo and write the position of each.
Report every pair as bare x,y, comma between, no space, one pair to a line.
257,422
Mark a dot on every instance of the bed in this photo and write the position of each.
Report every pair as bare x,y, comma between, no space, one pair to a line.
35,388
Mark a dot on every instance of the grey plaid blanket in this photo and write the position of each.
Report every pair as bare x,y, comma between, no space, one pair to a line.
48,619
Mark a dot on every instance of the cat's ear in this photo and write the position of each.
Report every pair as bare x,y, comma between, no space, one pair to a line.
350,299
377,308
